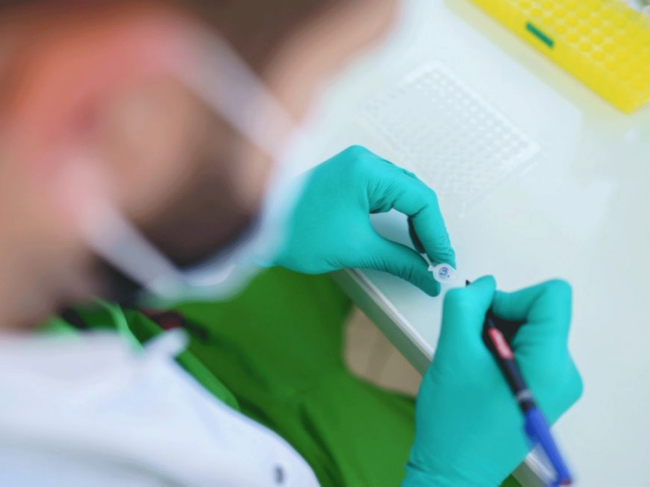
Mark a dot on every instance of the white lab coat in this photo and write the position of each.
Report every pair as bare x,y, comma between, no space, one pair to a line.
87,411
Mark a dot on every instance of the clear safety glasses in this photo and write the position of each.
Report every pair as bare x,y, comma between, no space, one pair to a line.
211,69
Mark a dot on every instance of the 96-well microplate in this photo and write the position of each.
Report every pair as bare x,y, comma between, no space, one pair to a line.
448,135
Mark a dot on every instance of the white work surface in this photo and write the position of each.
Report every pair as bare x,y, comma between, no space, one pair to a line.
579,211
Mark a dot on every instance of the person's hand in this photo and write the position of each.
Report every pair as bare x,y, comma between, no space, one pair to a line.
469,429
330,228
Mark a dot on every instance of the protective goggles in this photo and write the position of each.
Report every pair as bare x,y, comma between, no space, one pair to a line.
211,69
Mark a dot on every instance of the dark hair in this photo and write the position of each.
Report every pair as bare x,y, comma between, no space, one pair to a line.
257,28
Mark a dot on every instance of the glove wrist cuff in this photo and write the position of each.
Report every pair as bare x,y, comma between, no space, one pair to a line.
416,477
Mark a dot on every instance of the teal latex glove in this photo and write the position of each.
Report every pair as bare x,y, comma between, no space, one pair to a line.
469,430
330,228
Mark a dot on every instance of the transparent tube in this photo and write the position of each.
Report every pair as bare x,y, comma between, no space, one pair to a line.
443,273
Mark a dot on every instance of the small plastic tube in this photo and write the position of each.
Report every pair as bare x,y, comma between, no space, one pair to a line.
443,273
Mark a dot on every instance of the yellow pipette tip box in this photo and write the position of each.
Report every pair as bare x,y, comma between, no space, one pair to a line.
604,43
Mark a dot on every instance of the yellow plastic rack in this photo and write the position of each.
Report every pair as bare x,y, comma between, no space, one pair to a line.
604,43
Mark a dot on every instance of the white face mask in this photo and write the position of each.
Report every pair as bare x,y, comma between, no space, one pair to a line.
222,80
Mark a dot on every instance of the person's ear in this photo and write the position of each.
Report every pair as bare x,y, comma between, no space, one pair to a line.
91,111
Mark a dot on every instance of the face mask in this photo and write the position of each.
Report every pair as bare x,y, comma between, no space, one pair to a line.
211,70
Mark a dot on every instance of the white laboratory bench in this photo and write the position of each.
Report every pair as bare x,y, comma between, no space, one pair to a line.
580,211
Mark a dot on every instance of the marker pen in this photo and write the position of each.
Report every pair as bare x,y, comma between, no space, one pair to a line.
535,426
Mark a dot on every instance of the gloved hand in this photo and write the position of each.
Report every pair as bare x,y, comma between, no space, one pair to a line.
469,430
330,228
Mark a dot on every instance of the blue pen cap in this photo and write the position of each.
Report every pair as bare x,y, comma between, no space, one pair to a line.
539,434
